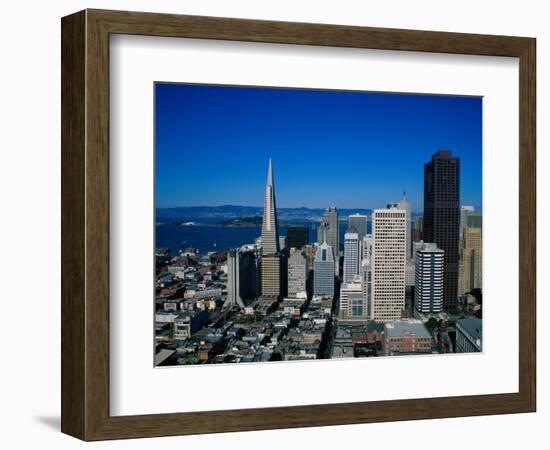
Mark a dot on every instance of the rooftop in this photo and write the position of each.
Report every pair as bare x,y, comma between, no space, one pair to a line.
401,328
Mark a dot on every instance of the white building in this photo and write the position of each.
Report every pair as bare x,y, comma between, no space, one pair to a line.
323,273
410,273
351,256
389,230
297,274
352,302
428,291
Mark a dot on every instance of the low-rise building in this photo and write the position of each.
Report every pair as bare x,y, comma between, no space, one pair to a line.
405,337
469,335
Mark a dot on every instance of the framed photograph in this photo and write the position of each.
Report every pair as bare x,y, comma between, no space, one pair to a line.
273,225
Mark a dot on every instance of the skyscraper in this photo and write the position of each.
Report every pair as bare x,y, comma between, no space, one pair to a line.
351,256
271,275
241,277
297,236
270,234
271,258
442,217
329,232
428,291
357,223
366,274
405,205
469,275
464,210
323,273
297,274
388,280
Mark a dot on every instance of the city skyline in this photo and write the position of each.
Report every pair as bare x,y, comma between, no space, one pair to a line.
224,145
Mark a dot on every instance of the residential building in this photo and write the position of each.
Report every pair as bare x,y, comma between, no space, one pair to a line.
297,274
428,291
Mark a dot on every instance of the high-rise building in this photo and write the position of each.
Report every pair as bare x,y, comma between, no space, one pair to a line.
442,217
389,235
270,234
470,274
241,277
357,223
352,302
366,274
297,236
329,232
282,243
428,291
405,205
474,220
271,275
417,246
418,221
271,269
323,273
464,211
410,273
351,256
297,274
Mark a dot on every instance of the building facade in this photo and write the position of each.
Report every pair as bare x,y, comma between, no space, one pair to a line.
406,336
470,270
469,335
428,291
270,233
352,301
441,223
297,274
388,256
241,277
351,256
271,270
357,223
329,232
323,273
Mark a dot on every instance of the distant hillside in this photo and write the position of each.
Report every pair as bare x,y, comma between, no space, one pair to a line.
217,214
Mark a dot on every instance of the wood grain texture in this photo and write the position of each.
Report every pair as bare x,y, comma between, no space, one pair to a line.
85,224
73,267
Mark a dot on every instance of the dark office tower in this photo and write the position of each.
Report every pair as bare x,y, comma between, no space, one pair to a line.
297,237
241,277
441,223
270,234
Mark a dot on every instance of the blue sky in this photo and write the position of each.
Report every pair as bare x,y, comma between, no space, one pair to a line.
349,149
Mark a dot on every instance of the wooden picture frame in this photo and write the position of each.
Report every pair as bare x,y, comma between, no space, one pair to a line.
85,224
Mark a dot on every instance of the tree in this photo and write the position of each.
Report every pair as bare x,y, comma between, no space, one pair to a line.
432,324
